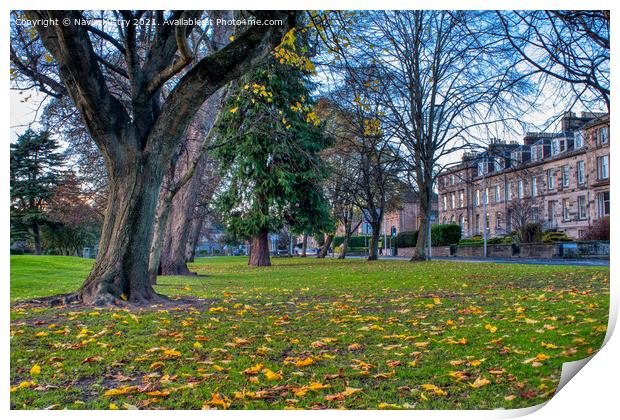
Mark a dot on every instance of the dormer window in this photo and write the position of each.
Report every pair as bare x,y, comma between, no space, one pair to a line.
579,140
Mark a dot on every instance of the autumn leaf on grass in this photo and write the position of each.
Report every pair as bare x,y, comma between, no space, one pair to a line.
304,362
35,370
490,328
314,386
253,370
461,341
217,402
171,354
92,359
354,347
271,375
434,388
120,391
549,346
387,406
540,357
342,395
479,382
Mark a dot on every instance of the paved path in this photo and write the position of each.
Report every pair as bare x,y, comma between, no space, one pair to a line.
539,261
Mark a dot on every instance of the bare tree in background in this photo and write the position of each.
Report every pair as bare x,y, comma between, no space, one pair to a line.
570,46
440,75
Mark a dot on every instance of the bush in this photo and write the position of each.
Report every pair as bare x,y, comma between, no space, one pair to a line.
354,241
445,235
407,239
17,251
531,232
556,237
599,230
471,241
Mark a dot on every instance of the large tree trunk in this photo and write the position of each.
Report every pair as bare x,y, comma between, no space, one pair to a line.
373,247
173,256
344,247
36,235
304,245
161,221
194,236
325,248
425,209
259,255
121,269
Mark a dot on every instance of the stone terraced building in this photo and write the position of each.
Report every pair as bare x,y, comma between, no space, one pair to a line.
558,179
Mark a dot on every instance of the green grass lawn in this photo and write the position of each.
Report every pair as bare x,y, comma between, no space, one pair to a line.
308,333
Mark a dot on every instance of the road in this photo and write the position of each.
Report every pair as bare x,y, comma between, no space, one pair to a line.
537,261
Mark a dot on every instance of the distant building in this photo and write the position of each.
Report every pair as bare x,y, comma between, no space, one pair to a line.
405,217
558,179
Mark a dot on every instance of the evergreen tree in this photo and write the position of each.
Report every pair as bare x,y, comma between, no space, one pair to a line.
35,161
269,143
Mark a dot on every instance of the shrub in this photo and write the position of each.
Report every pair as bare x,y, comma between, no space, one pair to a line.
407,239
354,241
531,232
444,235
359,241
599,230
556,237
17,251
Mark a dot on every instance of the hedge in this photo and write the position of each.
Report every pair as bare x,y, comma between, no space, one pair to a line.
407,239
444,235
354,241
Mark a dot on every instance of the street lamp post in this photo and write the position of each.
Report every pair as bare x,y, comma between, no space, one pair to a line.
484,210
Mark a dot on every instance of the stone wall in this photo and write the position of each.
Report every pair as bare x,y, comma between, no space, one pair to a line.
436,251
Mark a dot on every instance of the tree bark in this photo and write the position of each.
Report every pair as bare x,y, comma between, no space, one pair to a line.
344,247
373,246
194,236
259,255
36,235
325,248
304,245
121,269
425,209
173,256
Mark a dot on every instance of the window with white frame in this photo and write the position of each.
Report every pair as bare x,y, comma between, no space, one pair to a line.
603,135
534,187
453,200
602,164
498,220
498,194
581,207
550,179
579,140
520,189
445,202
603,203
566,210
565,176
509,191
486,195
461,198
477,198
581,172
